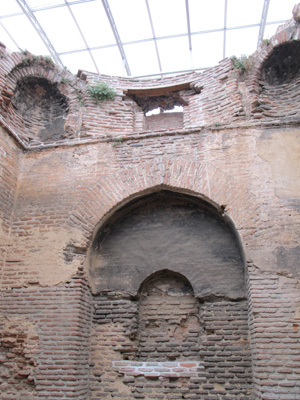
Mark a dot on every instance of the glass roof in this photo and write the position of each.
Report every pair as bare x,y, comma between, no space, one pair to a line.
139,37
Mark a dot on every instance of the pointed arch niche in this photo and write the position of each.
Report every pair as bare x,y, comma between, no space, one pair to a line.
167,273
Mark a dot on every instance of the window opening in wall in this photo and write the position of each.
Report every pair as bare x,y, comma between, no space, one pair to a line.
160,110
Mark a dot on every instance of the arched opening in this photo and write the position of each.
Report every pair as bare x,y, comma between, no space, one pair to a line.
162,106
168,318
167,230
282,65
42,106
170,299
280,82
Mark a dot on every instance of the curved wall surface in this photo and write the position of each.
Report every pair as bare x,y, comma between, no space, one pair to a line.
151,257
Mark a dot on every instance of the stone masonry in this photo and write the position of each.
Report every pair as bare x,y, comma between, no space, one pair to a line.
151,257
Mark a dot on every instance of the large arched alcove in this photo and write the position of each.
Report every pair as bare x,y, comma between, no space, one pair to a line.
167,230
170,301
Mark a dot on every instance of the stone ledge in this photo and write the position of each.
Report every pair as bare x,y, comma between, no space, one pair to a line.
167,369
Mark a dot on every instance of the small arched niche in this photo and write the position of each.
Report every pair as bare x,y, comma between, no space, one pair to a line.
42,106
282,65
168,318
280,82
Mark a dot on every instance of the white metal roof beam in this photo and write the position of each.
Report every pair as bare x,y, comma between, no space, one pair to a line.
116,34
166,37
35,23
153,34
189,30
45,8
263,22
225,29
82,35
10,36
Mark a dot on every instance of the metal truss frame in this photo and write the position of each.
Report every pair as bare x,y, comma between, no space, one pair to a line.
30,14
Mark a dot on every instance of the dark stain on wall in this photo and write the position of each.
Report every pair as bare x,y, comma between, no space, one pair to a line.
288,259
40,102
283,65
168,231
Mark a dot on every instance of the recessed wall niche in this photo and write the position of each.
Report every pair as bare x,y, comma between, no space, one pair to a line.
280,82
168,313
169,297
167,230
42,107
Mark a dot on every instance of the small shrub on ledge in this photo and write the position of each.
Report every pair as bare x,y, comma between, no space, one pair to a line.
101,91
242,63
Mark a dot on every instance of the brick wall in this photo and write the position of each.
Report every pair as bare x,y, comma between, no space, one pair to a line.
167,120
10,165
168,325
63,335
44,337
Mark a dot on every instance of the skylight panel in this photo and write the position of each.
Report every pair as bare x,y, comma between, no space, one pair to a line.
207,49
76,61
142,58
44,3
109,61
201,13
26,36
131,18
174,54
241,41
93,23
61,29
246,12
278,13
6,39
169,17
9,7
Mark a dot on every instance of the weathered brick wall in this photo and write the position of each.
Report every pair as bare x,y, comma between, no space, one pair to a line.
58,339
45,342
221,343
164,322
275,318
10,167
56,212
168,324
167,120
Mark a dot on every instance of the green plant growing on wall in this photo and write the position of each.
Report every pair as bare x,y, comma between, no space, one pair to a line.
243,63
117,140
101,91
239,63
64,80
48,60
80,99
25,61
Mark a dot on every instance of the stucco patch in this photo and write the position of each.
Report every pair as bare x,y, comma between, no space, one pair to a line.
43,256
281,148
